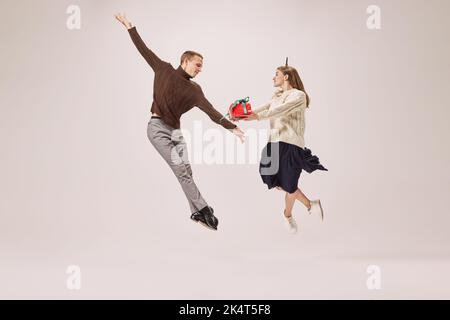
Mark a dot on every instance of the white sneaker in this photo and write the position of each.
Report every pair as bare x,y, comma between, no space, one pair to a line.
316,208
291,224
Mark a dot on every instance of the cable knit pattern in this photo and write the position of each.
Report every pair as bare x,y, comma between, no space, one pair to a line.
286,112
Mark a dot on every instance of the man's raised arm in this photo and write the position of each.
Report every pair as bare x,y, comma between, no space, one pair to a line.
152,59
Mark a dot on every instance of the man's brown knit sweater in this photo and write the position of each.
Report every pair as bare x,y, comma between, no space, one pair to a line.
173,91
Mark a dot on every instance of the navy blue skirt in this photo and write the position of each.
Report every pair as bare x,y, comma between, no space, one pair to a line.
281,165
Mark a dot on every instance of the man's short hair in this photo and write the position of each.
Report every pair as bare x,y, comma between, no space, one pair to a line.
189,55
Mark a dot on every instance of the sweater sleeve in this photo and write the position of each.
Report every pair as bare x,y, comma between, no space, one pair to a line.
152,59
292,102
262,108
203,104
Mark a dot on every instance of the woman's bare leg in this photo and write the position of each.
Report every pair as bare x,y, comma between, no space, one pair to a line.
289,200
302,198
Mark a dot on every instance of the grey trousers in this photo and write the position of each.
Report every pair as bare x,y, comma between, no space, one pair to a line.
170,144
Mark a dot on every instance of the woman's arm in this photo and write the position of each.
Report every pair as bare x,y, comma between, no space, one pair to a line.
293,101
255,112
152,59
262,108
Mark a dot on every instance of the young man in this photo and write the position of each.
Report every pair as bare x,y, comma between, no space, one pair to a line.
174,94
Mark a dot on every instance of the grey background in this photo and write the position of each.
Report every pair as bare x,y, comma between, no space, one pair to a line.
81,184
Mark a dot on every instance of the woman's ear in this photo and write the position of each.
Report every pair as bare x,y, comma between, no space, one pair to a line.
286,77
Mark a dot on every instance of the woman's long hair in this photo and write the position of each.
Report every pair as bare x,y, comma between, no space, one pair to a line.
294,79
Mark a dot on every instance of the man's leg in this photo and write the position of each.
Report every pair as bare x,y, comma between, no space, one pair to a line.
171,146
206,214
181,148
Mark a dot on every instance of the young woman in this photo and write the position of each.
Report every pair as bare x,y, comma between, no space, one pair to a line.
285,155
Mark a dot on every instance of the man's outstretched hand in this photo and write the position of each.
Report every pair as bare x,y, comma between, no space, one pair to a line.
123,20
239,133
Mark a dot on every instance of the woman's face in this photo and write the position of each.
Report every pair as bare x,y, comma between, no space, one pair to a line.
279,79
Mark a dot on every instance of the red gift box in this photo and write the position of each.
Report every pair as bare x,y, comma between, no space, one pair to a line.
239,109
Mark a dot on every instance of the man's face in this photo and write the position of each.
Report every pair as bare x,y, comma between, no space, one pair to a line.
193,66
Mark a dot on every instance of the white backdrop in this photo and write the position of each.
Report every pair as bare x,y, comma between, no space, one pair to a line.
82,185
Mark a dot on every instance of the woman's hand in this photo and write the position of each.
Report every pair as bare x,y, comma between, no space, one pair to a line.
253,116
122,19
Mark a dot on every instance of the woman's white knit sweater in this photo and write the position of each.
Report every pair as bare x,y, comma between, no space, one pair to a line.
286,112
